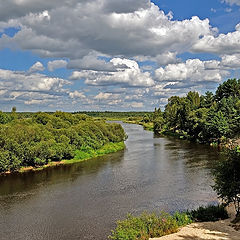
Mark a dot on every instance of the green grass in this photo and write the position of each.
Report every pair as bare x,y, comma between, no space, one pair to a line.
88,153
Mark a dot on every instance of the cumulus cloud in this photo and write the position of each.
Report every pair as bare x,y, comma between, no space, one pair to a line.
36,67
53,65
91,62
222,44
136,104
30,87
231,61
107,96
37,101
11,9
143,30
114,45
193,71
77,94
130,76
13,80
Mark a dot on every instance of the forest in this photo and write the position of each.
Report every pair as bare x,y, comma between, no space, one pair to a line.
209,118
115,115
40,138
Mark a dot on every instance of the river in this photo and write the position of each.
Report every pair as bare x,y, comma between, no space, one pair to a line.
84,200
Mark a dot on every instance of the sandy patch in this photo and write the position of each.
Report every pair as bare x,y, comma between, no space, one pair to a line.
220,230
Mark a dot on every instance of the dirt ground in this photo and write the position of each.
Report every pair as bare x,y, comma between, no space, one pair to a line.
220,230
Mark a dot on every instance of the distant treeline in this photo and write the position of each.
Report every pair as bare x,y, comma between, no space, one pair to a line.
207,118
37,139
114,115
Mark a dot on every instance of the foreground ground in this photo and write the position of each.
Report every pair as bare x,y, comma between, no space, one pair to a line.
221,230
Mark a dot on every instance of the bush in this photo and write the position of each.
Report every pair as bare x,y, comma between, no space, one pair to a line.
182,218
209,213
227,178
148,226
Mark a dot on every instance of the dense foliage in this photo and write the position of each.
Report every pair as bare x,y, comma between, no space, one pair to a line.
43,137
209,213
205,118
227,178
149,226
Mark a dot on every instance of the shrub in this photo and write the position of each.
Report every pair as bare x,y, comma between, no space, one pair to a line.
148,226
227,179
182,218
209,213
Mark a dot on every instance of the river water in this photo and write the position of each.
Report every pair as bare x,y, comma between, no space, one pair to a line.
84,200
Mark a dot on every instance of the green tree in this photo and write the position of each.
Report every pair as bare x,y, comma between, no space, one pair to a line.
5,118
231,87
227,179
217,125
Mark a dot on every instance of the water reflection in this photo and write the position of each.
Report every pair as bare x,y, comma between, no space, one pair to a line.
84,200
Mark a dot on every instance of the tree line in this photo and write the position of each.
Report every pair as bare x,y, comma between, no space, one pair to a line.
206,118
41,137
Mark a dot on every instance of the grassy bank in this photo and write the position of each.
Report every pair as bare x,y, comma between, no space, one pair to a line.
81,155
88,153
147,126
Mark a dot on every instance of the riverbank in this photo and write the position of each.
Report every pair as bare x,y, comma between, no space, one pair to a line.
227,143
80,156
220,230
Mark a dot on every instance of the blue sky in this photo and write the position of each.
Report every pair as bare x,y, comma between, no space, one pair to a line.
114,55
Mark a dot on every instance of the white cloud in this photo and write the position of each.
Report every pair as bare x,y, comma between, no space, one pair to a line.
36,67
136,104
107,96
140,30
130,76
193,70
103,96
77,94
31,88
87,34
91,62
52,65
231,61
37,101
13,80
222,44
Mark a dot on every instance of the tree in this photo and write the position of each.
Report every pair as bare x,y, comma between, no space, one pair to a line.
207,100
227,179
229,88
4,118
14,109
217,125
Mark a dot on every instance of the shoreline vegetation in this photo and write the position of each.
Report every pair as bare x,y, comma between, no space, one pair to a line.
80,157
153,225
39,140
212,119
